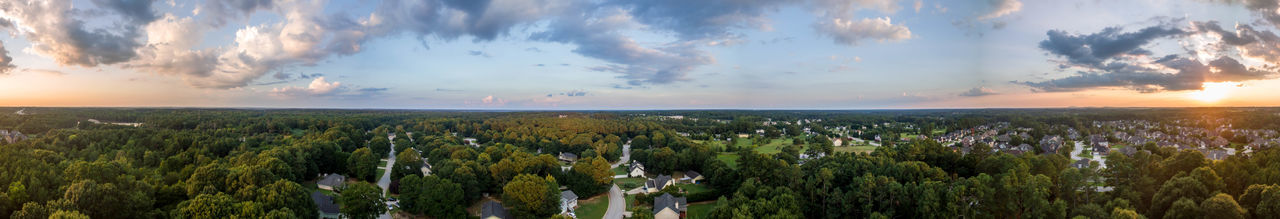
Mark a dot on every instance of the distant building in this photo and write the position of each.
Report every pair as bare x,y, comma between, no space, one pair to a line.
325,205
669,207
331,181
692,177
568,157
493,210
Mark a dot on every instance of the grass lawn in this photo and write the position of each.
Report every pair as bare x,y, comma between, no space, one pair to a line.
593,208
856,149
629,183
694,188
1118,146
380,172
730,159
909,136
700,210
621,170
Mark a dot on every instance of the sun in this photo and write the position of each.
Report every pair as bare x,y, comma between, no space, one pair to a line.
1213,91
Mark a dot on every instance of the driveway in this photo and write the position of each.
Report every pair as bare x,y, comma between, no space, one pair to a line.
626,155
385,181
617,204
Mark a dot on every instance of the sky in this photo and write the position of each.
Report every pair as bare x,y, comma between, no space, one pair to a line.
639,54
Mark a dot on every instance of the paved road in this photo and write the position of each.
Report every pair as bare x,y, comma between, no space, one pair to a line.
617,204
626,155
385,181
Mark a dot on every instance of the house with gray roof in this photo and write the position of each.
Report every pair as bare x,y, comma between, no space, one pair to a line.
568,202
326,205
493,210
658,183
331,181
669,207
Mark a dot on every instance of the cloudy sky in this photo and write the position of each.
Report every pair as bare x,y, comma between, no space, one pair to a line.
639,54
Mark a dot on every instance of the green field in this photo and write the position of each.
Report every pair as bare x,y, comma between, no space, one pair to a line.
593,208
629,183
694,188
856,149
700,210
730,159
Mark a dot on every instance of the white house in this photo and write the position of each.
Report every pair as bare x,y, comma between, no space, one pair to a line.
636,169
568,202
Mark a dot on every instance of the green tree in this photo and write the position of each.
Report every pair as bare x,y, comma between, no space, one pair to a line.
1184,208
432,196
207,206
532,196
363,164
361,200
380,145
1222,206
408,162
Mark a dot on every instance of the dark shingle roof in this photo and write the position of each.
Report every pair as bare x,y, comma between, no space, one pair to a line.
324,203
568,195
493,209
332,180
692,174
667,201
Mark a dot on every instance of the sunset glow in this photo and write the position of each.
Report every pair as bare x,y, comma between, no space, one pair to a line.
1214,92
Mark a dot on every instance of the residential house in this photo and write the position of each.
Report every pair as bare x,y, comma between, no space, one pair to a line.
493,210
669,207
326,206
692,177
568,157
1081,164
568,202
426,168
658,183
636,169
331,181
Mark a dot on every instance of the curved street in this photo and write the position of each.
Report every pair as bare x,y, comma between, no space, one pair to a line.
385,181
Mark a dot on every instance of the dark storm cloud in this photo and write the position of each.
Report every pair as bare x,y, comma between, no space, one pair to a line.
1096,49
703,18
138,11
6,62
1189,74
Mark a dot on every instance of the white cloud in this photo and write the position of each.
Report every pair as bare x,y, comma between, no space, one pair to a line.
318,87
1001,8
851,32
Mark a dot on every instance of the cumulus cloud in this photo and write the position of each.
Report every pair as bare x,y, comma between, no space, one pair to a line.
56,30
999,8
1113,58
1269,10
321,87
836,20
850,32
599,37
132,34
318,87
978,92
